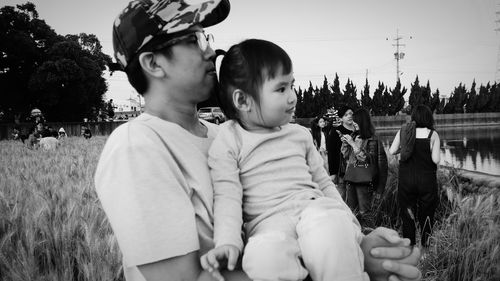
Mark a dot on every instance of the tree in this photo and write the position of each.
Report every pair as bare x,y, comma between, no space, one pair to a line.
396,101
483,98
350,95
335,89
494,104
457,100
366,100
39,68
323,98
299,107
470,105
416,95
378,100
309,101
23,41
434,103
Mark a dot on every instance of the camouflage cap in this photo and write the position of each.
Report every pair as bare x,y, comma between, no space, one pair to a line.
142,20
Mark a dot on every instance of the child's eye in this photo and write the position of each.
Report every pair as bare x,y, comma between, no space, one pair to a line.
281,90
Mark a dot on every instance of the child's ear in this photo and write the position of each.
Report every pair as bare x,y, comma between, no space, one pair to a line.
242,101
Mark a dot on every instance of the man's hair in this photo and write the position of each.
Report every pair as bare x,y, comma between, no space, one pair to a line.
422,115
363,119
246,66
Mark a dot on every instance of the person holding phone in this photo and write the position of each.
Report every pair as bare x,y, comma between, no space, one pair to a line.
336,163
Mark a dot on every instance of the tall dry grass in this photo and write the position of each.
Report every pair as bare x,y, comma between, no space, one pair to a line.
465,244
52,226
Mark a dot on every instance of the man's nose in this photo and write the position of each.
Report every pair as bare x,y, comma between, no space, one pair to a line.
210,54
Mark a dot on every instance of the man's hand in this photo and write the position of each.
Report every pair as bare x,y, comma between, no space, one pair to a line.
390,257
210,260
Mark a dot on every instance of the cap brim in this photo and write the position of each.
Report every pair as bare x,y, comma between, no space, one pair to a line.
219,14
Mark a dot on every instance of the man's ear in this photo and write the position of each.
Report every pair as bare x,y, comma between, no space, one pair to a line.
147,60
242,101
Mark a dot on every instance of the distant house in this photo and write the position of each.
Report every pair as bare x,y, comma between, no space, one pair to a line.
127,109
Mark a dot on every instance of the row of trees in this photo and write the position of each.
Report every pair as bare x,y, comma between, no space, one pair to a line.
61,75
384,101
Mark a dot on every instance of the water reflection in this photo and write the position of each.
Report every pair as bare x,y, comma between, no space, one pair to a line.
475,149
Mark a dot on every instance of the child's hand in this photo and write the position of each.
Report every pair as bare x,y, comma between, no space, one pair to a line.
210,260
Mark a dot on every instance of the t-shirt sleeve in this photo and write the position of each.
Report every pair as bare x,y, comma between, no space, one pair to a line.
146,199
228,191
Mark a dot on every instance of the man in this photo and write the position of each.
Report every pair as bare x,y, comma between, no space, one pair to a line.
152,178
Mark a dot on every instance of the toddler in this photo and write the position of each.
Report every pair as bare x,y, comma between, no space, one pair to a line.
269,179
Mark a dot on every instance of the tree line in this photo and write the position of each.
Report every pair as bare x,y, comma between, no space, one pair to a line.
61,75
315,101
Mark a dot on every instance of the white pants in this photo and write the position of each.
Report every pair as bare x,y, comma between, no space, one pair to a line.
325,235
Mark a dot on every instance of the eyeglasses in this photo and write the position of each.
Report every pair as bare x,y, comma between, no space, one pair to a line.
204,41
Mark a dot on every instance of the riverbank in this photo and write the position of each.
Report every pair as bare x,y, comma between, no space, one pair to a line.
477,178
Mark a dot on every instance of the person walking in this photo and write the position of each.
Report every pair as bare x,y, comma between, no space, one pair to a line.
366,171
419,145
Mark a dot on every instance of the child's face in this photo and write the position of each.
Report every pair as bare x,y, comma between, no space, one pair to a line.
277,103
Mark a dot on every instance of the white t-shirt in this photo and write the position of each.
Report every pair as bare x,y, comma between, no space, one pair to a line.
154,185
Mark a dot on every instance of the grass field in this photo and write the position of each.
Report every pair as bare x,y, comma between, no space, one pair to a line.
52,226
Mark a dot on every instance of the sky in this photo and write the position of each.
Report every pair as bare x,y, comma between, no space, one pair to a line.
446,42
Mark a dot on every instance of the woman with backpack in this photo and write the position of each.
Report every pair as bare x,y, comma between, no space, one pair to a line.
419,146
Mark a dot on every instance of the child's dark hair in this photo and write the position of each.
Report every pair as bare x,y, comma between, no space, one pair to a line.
363,119
246,66
422,115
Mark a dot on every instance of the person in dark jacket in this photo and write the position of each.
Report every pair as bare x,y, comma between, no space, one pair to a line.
365,146
336,163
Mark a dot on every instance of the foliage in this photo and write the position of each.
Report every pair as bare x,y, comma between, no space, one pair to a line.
465,245
61,75
366,100
395,100
466,238
391,101
52,226
378,103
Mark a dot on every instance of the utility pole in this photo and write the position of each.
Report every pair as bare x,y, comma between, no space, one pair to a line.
398,55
